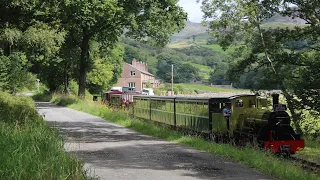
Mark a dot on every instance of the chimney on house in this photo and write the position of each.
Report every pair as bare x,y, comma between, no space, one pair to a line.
138,65
141,66
134,62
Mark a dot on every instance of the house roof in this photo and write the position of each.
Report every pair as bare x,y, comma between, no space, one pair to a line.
142,71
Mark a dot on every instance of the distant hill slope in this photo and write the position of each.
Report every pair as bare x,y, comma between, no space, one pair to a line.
285,19
199,30
190,30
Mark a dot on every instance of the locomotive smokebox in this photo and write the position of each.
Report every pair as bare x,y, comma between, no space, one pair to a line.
275,99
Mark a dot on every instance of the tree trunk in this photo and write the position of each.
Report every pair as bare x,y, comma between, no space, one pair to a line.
66,82
296,117
84,58
7,48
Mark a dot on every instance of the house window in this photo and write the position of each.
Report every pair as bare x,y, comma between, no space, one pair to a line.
132,84
132,73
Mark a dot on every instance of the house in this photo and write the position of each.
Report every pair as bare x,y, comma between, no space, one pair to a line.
136,75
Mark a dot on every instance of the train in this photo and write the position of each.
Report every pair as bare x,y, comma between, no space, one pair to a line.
250,119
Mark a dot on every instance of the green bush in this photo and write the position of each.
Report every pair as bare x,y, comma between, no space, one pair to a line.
73,87
310,123
14,109
43,97
64,99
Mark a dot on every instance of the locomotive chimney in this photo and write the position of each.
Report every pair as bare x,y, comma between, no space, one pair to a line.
275,99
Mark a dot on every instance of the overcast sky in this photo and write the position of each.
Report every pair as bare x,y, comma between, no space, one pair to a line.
193,9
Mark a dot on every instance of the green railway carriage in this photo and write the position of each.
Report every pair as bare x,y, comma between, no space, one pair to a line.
203,115
199,114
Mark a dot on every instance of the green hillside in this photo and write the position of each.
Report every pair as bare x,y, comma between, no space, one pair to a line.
148,54
204,71
200,43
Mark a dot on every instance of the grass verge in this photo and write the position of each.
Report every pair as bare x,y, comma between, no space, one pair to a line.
249,156
28,148
312,150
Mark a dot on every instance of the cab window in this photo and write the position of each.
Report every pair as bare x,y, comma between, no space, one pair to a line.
239,103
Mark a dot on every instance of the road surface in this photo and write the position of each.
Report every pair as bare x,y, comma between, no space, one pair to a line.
114,152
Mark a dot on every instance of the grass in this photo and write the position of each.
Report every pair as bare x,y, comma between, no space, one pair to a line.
311,151
204,71
188,43
249,156
28,148
209,88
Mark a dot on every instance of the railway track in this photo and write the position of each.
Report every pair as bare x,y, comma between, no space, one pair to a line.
308,165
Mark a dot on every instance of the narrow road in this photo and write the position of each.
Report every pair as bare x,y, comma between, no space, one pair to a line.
114,152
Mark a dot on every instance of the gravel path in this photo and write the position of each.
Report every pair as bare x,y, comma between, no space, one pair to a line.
114,152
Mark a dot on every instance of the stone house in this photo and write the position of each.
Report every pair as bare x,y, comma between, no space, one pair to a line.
136,75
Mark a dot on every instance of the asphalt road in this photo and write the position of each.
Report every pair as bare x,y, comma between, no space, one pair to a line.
114,152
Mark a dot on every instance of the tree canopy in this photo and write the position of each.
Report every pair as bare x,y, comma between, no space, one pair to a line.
82,35
274,54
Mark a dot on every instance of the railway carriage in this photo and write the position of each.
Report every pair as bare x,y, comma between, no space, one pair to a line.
250,118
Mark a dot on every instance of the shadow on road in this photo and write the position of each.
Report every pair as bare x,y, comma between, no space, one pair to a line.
116,149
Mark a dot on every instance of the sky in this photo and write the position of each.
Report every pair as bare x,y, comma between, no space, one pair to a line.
193,9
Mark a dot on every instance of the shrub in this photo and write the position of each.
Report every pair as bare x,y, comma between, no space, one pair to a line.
64,99
310,123
16,109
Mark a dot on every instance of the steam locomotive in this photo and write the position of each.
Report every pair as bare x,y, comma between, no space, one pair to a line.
249,120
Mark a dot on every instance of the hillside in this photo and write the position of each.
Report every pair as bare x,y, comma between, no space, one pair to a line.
190,30
199,58
185,39
190,46
285,19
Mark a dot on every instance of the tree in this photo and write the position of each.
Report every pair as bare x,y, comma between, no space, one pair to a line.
262,50
14,75
131,53
105,70
165,60
104,22
183,72
218,76
31,50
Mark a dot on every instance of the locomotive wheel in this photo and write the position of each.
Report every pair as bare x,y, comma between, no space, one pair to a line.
213,138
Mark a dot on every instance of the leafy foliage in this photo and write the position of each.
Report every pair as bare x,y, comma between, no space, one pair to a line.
285,59
61,36
104,70
183,72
